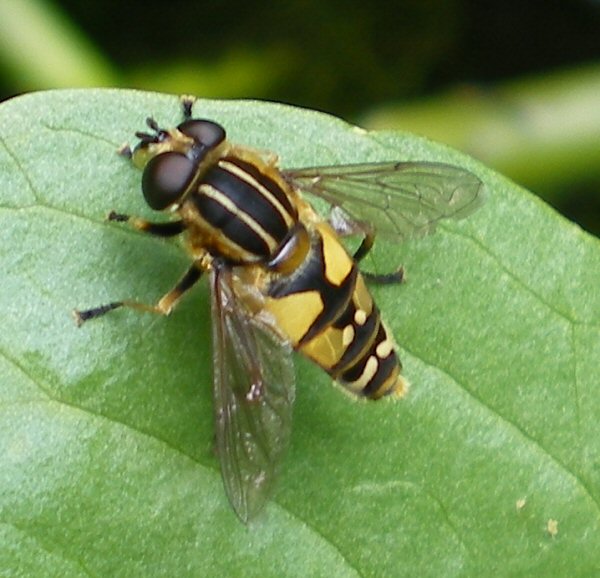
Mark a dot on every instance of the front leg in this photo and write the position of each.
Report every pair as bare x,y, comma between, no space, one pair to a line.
187,103
166,304
168,229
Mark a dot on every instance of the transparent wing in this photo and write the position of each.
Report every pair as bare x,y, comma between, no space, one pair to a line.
253,386
398,200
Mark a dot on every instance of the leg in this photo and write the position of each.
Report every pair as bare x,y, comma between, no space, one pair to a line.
365,246
380,279
187,102
385,278
164,306
168,229
344,226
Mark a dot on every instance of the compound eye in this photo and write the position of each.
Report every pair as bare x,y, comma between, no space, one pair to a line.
166,177
205,132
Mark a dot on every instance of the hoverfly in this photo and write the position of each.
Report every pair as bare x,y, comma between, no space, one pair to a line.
280,277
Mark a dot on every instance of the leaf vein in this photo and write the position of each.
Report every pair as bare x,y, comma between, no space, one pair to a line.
22,170
42,544
504,419
520,282
52,398
318,532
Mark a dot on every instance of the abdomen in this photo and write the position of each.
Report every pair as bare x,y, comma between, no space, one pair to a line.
327,312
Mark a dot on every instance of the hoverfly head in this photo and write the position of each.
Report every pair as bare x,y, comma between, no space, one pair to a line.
171,158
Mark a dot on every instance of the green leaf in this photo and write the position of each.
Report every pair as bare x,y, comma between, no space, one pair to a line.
106,438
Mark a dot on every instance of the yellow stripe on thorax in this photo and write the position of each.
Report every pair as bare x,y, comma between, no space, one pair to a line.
244,176
203,235
215,194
